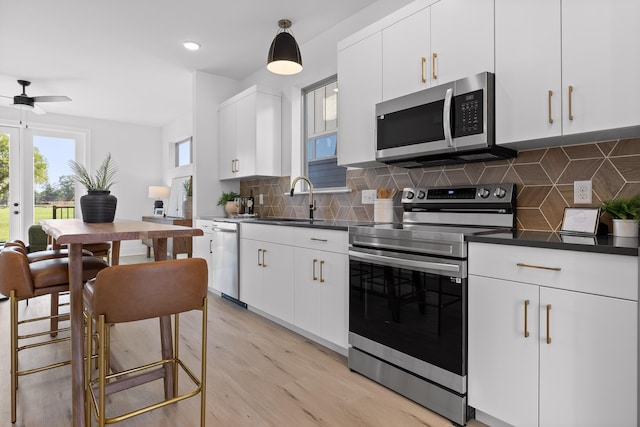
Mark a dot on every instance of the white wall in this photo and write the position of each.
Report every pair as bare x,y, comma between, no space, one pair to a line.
209,92
136,150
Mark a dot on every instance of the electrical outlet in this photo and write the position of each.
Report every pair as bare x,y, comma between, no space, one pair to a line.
582,192
368,196
260,199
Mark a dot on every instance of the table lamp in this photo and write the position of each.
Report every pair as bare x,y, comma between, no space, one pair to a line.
158,192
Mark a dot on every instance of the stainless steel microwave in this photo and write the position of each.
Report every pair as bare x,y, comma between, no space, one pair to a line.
446,124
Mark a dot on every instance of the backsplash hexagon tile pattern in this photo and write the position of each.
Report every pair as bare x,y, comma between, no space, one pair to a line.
544,181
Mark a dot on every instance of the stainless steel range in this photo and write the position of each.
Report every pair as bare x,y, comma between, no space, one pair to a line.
408,292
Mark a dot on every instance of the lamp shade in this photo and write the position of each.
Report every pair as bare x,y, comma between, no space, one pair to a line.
284,54
158,192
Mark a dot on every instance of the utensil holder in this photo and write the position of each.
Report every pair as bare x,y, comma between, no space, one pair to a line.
383,210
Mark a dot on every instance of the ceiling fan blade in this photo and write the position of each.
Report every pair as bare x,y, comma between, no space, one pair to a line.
50,98
38,110
6,100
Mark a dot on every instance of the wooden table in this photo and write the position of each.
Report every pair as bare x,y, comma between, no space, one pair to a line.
75,233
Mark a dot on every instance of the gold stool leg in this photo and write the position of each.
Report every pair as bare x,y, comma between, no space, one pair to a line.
102,370
176,347
14,353
203,372
88,410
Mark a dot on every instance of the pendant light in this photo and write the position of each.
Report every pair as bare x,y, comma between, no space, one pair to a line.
284,54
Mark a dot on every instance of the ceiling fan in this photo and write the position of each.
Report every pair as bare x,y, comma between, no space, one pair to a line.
25,102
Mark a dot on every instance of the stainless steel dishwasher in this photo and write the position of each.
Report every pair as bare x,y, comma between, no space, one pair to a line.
224,250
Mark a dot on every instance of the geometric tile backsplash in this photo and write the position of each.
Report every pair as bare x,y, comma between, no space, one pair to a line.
544,181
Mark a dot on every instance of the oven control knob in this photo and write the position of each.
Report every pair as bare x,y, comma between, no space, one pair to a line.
484,193
500,192
421,194
408,195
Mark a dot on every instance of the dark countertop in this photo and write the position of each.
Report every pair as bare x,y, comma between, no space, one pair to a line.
606,244
541,239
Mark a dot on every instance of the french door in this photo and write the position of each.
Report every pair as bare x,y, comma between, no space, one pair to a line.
34,177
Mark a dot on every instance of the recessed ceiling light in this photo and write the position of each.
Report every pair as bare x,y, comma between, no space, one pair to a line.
191,45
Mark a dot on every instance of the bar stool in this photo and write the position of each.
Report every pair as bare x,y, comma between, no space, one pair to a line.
128,293
41,256
21,279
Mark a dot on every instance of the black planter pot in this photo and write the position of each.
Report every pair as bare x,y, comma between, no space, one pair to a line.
98,206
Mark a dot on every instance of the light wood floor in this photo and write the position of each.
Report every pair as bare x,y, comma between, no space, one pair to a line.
258,374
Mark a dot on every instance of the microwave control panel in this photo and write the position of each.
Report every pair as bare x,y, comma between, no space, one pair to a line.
468,114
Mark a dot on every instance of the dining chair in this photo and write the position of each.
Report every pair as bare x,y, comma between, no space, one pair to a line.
21,279
129,293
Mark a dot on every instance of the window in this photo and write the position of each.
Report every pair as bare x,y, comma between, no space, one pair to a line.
183,152
321,135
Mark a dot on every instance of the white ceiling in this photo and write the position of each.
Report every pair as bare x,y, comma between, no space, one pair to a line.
123,60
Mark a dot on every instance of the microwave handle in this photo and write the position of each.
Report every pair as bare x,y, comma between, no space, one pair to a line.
446,117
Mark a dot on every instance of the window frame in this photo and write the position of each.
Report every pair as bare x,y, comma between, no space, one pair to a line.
177,152
307,136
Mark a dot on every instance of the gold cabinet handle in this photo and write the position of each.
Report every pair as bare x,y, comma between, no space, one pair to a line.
548,335
424,80
321,276
549,97
259,263
264,264
314,269
237,165
526,329
433,65
233,166
570,102
520,264
318,240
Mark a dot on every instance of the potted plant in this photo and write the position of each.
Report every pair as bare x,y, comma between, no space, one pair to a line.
187,204
626,215
228,201
98,205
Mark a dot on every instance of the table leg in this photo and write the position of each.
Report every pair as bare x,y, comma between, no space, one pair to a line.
77,334
115,252
160,254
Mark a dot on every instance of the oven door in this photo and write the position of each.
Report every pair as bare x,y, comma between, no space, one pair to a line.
410,311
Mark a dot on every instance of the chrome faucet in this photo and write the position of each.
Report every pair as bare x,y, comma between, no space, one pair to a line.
312,203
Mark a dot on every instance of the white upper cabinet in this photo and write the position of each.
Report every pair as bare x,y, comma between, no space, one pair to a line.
419,46
601,61
528,66
360,81
249,130
565,67
406,50
462,39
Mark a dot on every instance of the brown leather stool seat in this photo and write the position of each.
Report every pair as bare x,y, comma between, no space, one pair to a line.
128,293
21,279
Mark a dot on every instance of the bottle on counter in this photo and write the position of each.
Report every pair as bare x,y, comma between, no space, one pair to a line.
250,203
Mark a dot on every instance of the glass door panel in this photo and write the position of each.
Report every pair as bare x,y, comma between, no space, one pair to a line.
35,180
10,195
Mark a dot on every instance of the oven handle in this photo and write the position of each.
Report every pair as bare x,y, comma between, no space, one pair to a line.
399,262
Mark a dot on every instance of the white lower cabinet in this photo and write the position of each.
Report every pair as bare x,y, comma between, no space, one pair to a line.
202,247
266,276
320,294
540,355
297,275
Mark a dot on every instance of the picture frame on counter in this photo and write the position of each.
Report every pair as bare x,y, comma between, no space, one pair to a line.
158,211
580,221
